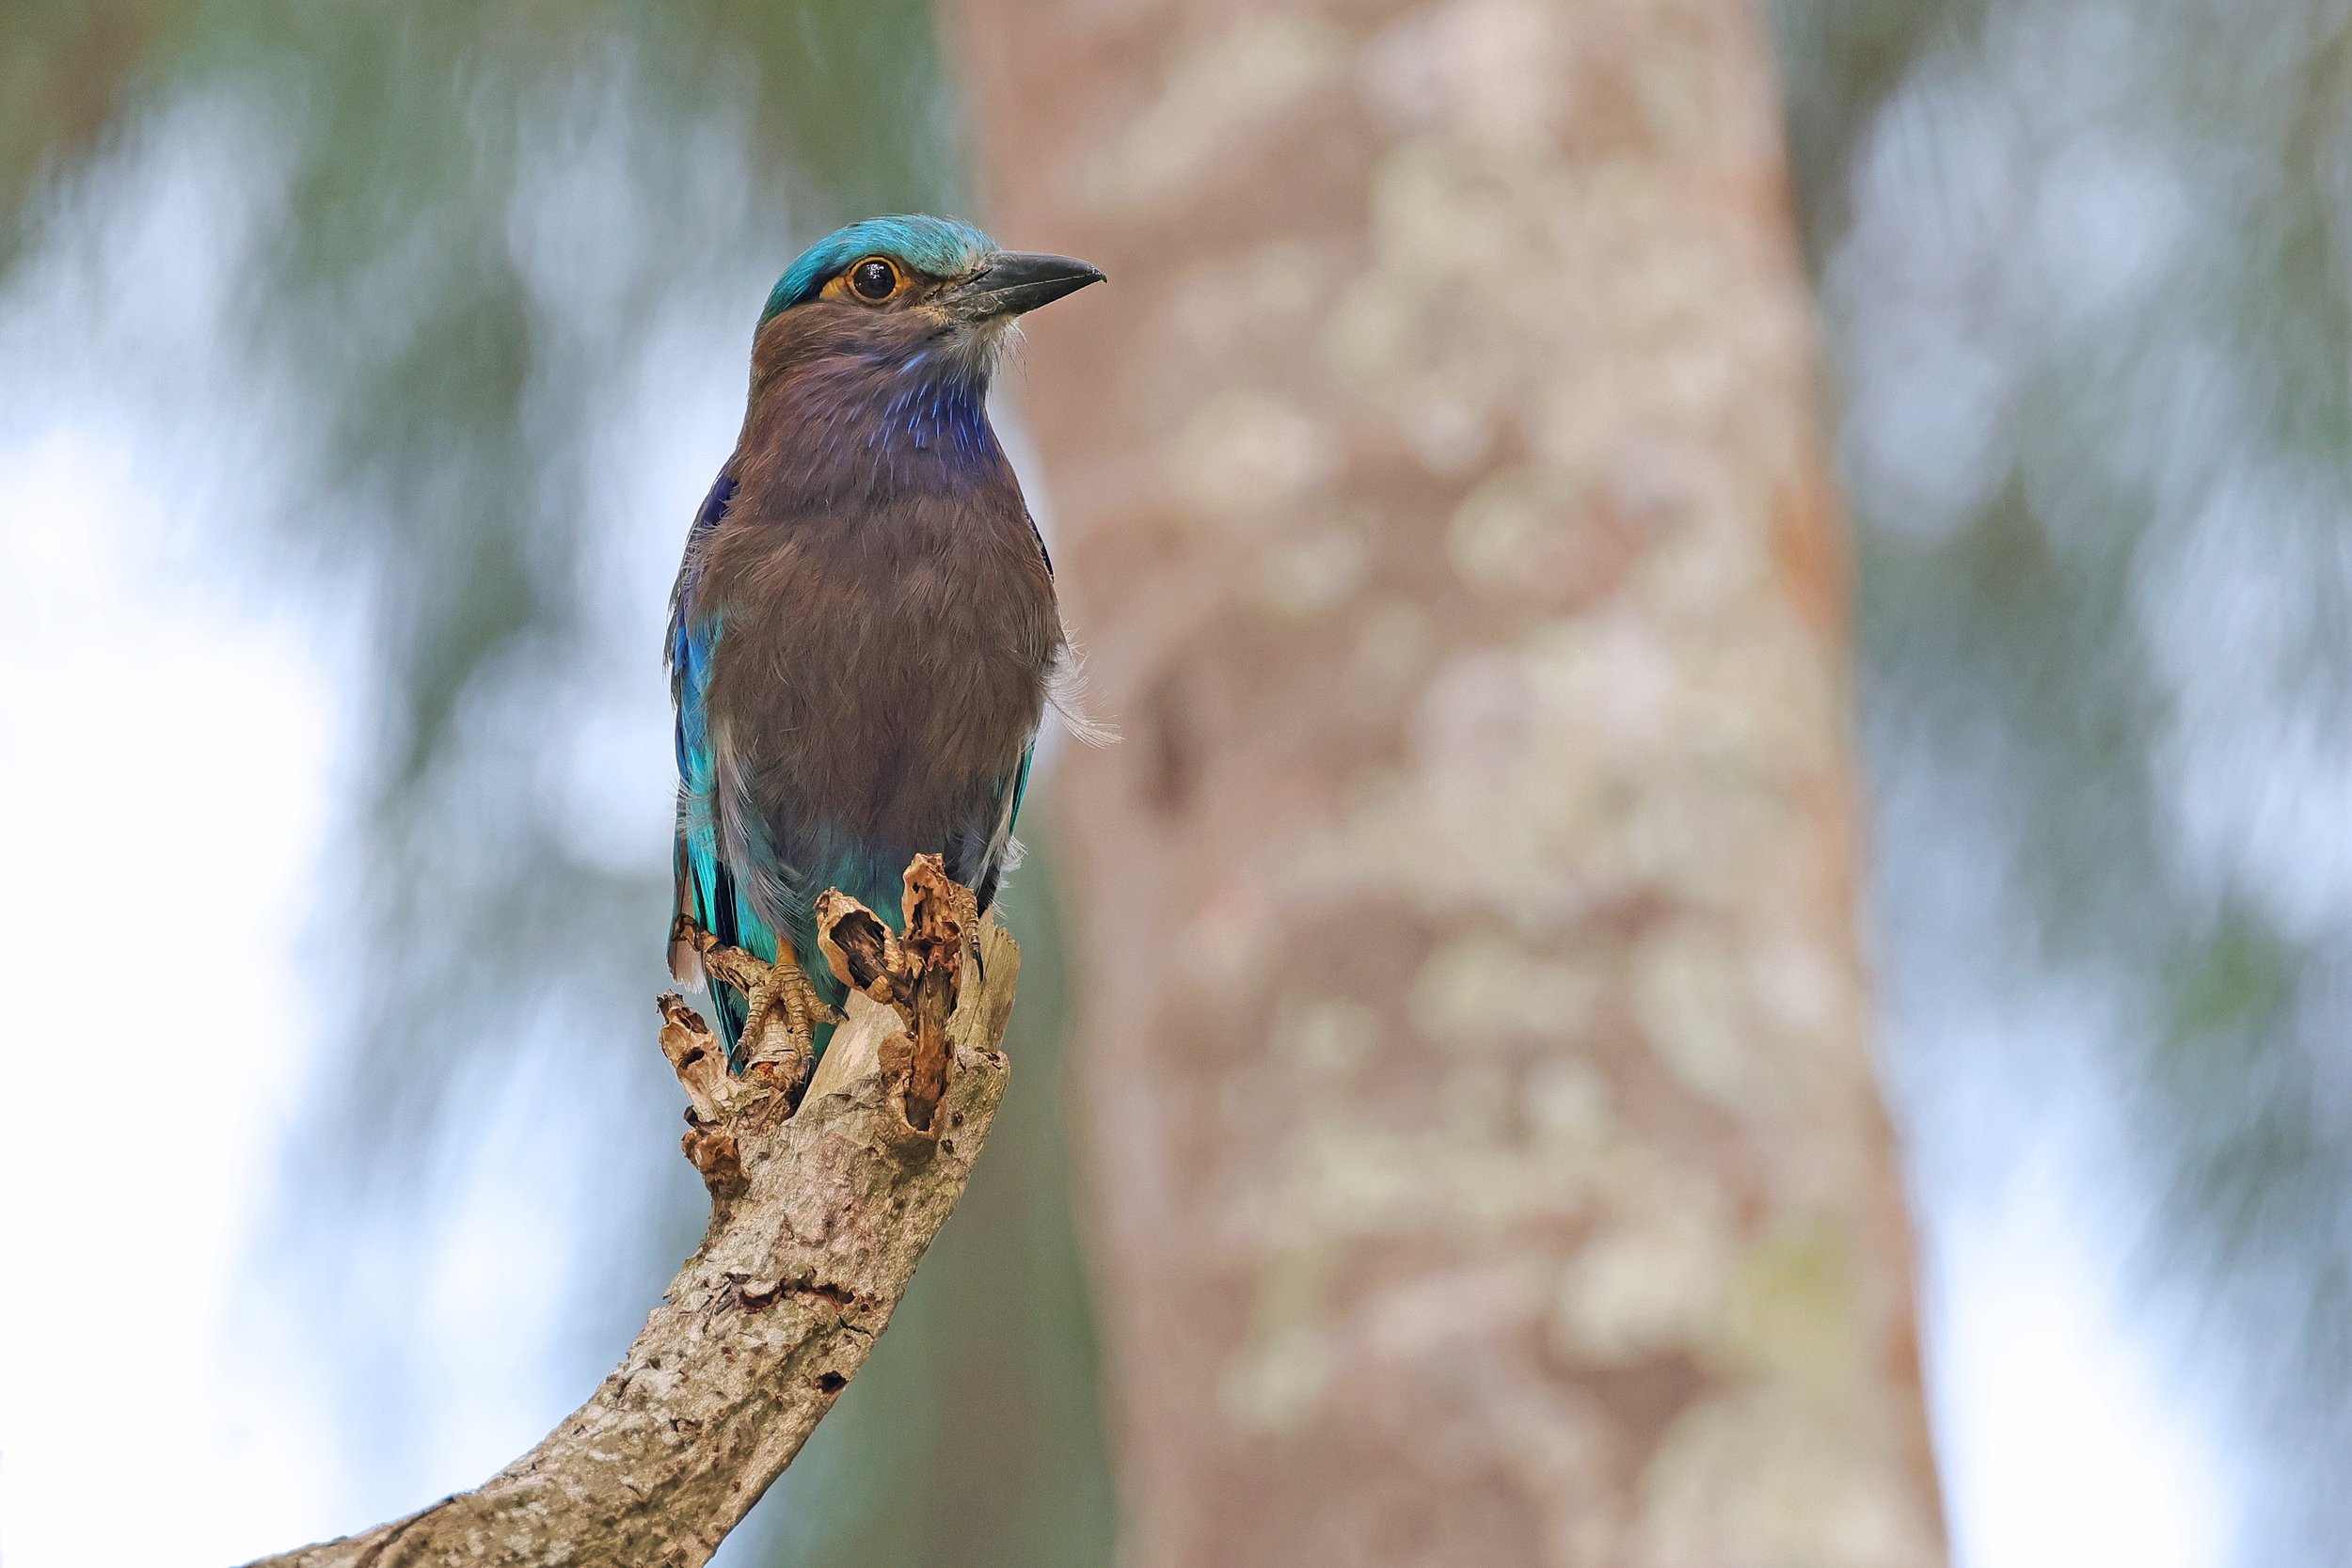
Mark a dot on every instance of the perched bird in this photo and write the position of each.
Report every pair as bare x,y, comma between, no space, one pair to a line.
863,631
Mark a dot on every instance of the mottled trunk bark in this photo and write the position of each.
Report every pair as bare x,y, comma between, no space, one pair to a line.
1473,1040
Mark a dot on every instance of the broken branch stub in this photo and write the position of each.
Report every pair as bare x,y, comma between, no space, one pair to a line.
824,1197
914,974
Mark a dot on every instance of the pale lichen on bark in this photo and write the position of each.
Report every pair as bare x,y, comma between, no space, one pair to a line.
1485,1147
824,1199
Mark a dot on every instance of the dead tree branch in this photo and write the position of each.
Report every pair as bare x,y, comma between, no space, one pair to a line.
822,1203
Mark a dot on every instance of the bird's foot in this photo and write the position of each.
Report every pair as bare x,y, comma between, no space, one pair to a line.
782,1009
905,1026
778,1047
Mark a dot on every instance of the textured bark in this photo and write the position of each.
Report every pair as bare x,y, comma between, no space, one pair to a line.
1474,1036
820,1215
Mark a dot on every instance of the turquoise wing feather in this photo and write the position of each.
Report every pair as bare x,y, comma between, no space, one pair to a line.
708,890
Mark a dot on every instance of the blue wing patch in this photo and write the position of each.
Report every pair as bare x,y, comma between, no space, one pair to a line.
707,890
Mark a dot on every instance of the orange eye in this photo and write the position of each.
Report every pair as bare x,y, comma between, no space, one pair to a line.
873,280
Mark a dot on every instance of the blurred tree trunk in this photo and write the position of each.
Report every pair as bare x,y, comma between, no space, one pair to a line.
1474,1069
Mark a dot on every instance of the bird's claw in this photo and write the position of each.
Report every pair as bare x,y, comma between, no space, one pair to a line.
782,1010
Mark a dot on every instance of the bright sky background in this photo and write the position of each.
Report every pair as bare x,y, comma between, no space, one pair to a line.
174,723
142,708
2062,1447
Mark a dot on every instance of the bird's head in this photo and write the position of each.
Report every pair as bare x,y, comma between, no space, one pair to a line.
904,287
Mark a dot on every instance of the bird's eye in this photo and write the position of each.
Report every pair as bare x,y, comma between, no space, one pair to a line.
874,279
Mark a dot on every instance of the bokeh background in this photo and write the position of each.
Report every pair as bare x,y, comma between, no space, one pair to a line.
359,367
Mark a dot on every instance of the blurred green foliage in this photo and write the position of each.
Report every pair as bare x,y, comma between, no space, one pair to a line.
2088,289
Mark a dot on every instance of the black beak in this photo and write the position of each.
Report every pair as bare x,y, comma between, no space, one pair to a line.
1019,280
